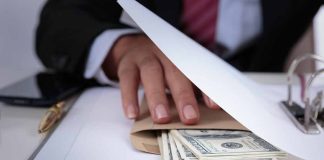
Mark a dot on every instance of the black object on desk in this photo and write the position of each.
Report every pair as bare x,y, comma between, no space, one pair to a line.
43,89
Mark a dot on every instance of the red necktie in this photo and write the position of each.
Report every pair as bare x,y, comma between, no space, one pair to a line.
199,20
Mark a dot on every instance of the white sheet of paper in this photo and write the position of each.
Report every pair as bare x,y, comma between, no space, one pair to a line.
95,128
236,94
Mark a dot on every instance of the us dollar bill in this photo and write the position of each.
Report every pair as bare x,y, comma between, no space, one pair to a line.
159,138
174,150
166,146
224,144
184,152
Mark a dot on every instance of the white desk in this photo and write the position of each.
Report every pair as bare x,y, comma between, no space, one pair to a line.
18,125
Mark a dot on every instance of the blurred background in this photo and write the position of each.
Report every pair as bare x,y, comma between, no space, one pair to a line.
18,19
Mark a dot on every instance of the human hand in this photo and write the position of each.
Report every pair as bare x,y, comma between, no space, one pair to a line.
135,60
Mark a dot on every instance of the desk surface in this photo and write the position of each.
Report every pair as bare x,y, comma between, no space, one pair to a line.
18,125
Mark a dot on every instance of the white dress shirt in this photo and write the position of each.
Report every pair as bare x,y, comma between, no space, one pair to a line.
238,22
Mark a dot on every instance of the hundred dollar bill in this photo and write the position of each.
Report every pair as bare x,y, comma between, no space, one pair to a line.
166,146
159,138
223,144
174,150
184,152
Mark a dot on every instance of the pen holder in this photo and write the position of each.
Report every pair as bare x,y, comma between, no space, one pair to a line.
309,118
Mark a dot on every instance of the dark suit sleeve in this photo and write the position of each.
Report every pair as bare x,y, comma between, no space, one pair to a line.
67,29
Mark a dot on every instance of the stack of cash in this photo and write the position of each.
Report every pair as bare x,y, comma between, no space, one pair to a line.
215,145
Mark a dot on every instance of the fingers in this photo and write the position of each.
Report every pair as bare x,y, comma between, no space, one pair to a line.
182,93
129,80
184,98
145,63
210,103
151,73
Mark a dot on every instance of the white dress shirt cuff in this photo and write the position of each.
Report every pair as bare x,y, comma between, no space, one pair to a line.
101,78
98,52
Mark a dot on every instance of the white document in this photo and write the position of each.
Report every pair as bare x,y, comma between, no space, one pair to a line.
237,95
95,128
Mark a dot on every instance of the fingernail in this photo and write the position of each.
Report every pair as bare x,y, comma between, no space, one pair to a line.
131,113
160,111
189,112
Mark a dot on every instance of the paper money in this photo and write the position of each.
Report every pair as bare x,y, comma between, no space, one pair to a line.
166,146
159,138
185,153
215,145
174,151
224,144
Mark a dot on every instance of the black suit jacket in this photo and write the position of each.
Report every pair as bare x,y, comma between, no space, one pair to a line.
67,29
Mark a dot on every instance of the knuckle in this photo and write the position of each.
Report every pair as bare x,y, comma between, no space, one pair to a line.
173,69
185,93
151,66
155,93
125,72
148,61
156,69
